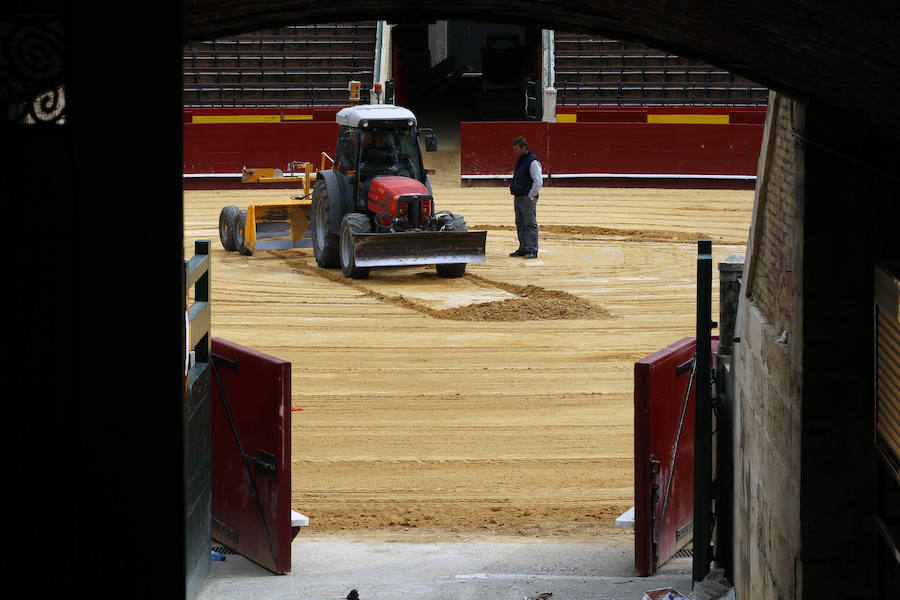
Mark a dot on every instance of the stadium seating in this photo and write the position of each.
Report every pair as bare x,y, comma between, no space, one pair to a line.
593,71
311,65
304,65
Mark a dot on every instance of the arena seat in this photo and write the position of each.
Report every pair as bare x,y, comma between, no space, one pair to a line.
302,65
594,71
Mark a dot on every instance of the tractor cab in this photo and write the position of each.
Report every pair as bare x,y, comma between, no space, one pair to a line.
379,141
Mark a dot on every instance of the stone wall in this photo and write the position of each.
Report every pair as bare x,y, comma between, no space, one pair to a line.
805,490
767,409
771,284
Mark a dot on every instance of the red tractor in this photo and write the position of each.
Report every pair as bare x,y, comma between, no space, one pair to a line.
375,208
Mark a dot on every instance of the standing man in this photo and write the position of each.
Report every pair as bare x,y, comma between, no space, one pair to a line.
525,185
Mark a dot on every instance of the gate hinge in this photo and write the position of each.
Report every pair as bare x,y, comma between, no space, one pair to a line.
225,362
228,531
264,462
685,367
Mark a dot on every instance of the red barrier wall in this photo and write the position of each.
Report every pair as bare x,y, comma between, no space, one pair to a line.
219,142
593,145
486,147
651,148
228,147
601,144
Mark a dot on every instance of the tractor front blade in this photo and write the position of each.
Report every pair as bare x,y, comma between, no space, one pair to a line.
419,248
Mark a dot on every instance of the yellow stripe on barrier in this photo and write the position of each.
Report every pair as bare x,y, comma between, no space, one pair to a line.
689,119
566,118
236,119
207,119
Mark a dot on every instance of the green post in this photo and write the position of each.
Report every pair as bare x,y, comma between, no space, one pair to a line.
703,416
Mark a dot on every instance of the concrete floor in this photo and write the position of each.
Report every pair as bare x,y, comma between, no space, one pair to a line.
327,567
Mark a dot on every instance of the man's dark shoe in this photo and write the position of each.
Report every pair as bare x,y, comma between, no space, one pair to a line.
530,255
518,252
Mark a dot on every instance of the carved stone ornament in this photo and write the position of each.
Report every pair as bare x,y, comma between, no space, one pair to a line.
33,65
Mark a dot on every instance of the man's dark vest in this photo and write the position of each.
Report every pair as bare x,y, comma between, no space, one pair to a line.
521,180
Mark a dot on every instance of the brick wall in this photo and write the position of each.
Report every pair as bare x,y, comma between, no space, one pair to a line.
772,285
767,424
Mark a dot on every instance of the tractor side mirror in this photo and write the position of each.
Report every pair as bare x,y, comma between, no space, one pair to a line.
430,140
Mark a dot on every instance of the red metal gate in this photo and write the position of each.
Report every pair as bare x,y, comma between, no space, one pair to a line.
251,454
664,385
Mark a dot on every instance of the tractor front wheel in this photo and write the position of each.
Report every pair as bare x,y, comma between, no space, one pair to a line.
453,223
352,224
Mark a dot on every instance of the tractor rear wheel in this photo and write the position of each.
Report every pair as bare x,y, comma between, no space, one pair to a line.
240,233
226,229
325,244
457,223
352,224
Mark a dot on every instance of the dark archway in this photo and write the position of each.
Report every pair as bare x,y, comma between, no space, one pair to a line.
95,332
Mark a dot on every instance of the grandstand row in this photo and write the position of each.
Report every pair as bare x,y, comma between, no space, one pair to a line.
311,65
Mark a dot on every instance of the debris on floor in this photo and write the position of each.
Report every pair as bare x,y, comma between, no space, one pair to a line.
714,586
664,594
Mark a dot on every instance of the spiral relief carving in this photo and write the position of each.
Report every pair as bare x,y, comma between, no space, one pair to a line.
33,60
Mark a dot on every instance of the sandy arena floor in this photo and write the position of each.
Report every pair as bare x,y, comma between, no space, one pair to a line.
497,404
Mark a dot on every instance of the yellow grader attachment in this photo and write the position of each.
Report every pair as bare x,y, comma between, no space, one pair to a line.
270,225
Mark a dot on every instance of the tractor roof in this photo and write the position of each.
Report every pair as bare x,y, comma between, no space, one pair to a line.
354,115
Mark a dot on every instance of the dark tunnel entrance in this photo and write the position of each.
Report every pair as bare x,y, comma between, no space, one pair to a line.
461,70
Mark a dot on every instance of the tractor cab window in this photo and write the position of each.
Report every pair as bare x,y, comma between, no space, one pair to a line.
389,151
379,154
345,153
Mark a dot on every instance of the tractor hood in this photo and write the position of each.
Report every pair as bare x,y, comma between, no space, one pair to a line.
399,197
383,190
